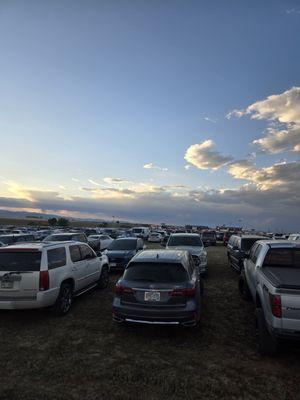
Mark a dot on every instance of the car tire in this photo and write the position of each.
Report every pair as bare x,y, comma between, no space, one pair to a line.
104,278
64,300
267,343
244,288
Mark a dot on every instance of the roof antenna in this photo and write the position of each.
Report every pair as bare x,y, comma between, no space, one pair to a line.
157,255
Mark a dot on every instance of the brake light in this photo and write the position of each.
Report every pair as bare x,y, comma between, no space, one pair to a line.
44,280
191,292
275,301
120,289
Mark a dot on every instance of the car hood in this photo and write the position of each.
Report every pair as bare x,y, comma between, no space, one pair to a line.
192,249
120,253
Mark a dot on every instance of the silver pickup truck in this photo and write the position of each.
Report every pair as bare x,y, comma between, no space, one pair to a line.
271,278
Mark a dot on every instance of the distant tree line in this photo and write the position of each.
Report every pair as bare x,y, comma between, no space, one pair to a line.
61,222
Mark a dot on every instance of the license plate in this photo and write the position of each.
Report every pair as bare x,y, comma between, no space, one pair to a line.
152,296
7,285
113,264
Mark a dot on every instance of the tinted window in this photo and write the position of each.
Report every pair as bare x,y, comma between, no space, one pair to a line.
6,239
156,272
86,252
256,253
283,258
20,260
248,243
252,251
185,241
56,258
124,244
75,253
210,235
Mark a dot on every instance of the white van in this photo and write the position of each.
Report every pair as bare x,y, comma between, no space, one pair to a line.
141,232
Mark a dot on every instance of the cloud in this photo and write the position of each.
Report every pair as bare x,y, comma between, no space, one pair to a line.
282,111
114,181
75,179
187,167
93,182
153,166
203,156
270,198
283,175
214,121
292,11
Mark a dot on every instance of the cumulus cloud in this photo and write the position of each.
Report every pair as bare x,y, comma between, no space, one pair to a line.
281,175
154,166
282,111
203,156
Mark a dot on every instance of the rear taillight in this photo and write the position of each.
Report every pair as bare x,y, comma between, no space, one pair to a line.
44,280
120,289
275,301
184,292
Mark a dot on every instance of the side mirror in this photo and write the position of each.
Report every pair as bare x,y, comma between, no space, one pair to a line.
247,256
99,254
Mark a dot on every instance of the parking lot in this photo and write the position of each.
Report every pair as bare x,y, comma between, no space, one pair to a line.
84,355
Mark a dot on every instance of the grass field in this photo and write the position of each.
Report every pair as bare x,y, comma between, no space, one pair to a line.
86,356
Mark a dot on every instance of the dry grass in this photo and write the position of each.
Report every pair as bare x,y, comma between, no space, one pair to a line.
85,356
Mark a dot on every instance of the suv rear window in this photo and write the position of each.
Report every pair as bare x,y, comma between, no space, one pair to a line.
185,241
20,260
283,258
123,244
156,272
56,258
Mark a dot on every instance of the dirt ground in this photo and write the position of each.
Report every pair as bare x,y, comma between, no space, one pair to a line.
86,356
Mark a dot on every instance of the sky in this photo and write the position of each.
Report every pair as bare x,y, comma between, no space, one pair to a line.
183,112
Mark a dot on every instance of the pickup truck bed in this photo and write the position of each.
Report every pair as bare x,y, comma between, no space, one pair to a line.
283,278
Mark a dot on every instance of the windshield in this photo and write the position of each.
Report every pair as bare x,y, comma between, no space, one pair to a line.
283,258
20,261
156,272
123,245
185,241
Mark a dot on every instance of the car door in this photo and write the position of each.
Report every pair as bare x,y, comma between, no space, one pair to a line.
252,267
78,267
92,264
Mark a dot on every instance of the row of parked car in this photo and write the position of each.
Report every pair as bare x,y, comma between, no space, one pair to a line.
50,273
270,278
159,286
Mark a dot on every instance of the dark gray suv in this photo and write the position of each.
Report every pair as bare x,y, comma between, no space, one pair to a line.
238,247
161,287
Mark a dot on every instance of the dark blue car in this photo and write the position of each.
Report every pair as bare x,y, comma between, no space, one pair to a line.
121,251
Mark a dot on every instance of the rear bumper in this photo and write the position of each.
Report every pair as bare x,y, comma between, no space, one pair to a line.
41,300
185,316
286,334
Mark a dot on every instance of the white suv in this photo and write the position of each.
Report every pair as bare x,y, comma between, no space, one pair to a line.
36,275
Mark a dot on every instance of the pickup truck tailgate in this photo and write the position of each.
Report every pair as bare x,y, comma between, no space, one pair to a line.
290,303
